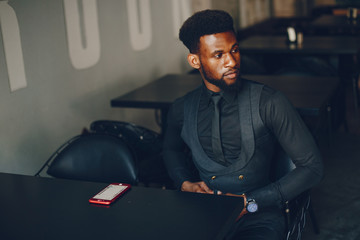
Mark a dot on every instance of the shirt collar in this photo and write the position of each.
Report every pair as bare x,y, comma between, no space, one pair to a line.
228,96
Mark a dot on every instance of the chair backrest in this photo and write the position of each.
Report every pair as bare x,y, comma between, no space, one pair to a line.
144,141
95,157
147,145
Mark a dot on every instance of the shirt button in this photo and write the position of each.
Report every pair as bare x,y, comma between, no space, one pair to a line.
241,177
213,177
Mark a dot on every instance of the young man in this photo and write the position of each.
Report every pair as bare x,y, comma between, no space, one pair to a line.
232,141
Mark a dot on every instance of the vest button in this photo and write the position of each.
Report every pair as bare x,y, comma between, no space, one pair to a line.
241,177
213,177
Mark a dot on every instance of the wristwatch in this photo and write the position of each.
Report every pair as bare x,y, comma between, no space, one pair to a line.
251,206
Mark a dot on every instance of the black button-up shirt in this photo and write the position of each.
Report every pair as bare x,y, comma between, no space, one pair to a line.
278,115
229,121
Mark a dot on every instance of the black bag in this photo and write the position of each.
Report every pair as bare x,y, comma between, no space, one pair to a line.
147,145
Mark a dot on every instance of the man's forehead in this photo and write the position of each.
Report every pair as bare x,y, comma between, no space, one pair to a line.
218,34
218,40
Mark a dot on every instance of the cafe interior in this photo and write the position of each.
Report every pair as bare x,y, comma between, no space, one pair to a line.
75,68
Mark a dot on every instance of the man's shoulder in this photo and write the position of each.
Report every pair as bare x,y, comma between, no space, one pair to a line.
268,94
250,82
193,92
177,108
266,90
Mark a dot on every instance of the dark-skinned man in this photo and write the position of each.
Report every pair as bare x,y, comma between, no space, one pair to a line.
231,126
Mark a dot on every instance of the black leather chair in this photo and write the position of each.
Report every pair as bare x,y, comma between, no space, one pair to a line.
295,210
94,157
147,146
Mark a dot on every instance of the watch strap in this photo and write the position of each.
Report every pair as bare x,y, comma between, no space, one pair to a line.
244,210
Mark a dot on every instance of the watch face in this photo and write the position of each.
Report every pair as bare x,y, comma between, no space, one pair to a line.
252,207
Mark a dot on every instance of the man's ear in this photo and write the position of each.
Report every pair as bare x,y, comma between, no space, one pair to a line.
194,60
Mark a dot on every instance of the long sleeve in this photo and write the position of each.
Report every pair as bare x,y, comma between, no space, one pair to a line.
175,155
294,137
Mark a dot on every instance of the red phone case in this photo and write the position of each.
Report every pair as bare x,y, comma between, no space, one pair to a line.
109,194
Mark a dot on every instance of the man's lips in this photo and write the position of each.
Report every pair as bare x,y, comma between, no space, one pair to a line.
231,74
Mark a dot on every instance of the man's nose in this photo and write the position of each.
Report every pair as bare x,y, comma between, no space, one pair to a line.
230,61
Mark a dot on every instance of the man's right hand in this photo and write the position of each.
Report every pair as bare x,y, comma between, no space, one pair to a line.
198,187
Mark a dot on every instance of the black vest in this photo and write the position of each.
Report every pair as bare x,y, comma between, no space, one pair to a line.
252,168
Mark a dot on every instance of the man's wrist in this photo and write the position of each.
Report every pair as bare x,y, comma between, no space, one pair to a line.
250,204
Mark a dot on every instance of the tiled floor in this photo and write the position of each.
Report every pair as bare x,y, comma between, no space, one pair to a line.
336,200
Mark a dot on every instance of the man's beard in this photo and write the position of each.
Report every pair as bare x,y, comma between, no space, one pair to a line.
220,83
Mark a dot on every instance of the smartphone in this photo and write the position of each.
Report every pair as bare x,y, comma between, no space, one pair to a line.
109,194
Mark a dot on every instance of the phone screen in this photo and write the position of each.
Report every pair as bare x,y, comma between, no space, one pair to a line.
110,193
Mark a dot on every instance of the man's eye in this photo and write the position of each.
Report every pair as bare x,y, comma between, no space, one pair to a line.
235,50
218,55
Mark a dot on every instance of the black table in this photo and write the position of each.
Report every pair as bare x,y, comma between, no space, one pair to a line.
312,45
343,47
44,208
334,25
159,94
307,94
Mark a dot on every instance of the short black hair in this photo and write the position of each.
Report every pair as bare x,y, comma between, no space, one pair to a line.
202,23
